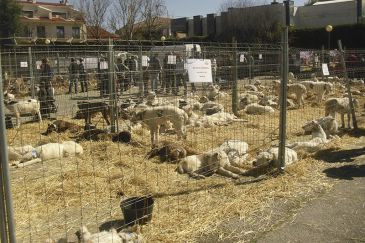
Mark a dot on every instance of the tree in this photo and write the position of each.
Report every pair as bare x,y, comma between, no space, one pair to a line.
151,12
310,2
94,13
9,18
124,16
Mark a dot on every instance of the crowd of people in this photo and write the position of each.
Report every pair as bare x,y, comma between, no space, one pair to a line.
166,76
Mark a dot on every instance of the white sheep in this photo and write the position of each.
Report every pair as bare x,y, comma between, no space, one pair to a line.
270,157
328,123
256,109
202,165
318,88
246,99
210,108
220,118
50,151
342,106
236,151
297,89
16,153
101,237
154,117
8,96
319,138
24,107
212,91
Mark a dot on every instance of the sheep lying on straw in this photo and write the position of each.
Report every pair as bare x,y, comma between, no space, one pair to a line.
297,89
171,152
199,166
236,151
328,123
270,157
60,126
49,151
112,236
154,117
318,139
342,106
256,109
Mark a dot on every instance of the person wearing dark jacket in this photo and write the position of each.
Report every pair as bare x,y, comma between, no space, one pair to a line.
73,70
82,76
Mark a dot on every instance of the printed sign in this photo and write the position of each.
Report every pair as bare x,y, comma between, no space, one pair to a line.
325,69
24,64
103,65
171,59
145,61
91,63
260,56
199,70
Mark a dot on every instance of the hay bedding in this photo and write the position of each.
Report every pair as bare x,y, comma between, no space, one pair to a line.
52,200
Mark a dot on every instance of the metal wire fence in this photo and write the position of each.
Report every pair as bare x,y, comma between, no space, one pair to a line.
54,197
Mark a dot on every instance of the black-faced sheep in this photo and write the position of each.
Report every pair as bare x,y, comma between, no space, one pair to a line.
60,126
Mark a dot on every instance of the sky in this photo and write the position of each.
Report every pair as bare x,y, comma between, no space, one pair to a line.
189,8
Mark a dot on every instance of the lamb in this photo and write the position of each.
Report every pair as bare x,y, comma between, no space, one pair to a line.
9,96
246,99
24,107
199,166
297,89
171,152
101,237
256,109
342,106
213,92
154,117
210,108
50,151
328,123
16,153
319,88
319,137
250,87
236,151
61,126
220,118
89,109
270,157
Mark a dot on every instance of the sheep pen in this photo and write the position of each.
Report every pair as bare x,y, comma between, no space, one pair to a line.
53,199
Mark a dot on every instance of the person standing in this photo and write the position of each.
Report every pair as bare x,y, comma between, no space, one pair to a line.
82,76
73,70
46,92
214,70
122,71
154,71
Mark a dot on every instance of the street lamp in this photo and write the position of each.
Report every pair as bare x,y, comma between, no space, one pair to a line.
329,28
163,38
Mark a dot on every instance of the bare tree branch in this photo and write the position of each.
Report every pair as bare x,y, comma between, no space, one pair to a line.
151,11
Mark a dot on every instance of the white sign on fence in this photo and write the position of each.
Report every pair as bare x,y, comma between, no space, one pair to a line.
24,64
171,59
145,61
91,63
260,56
199,70
325,69
103,65
38,64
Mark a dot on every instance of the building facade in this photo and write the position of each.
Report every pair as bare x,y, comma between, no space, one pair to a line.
56,22
318,15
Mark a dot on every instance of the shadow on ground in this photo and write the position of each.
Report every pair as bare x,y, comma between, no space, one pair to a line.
333,156
346,172
117,224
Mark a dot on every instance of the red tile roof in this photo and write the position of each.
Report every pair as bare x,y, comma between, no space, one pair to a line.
103,34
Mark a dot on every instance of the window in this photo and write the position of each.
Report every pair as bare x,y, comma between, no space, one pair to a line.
28,14
60,32
76,32
27,32
41,32
62,15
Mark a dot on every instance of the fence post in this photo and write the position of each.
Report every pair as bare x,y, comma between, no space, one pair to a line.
235,77
58,63
343,62
283,93
7,220
31,73
140,71
112,93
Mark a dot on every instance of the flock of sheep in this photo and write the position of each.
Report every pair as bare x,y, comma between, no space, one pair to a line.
160,114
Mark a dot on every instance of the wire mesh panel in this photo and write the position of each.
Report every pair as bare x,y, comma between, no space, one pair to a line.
117,121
